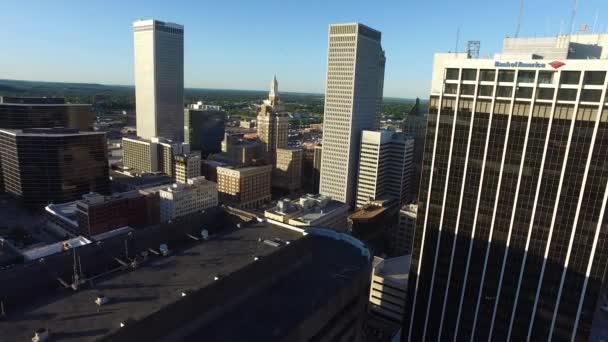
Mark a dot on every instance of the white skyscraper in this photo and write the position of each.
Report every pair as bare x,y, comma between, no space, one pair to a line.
159,79
385,166
353,96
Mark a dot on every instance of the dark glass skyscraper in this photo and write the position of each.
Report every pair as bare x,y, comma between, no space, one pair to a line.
511,239
37,112
204,128
44,165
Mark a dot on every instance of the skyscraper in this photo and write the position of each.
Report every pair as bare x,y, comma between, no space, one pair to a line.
272,128
385,166
510,242
414,125
159,79
353,96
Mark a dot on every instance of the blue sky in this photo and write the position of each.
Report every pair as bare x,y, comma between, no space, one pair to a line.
241,44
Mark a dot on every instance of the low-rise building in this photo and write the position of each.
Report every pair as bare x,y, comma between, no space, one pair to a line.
245,188
373,224
310,211
96,214
388,290
187,166
187,198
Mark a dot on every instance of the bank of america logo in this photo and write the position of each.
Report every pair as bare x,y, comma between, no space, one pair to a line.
557,64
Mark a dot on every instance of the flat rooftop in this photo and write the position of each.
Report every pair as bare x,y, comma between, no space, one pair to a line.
73,316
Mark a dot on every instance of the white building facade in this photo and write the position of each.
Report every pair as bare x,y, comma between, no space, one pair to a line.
385,166
159,79
353,97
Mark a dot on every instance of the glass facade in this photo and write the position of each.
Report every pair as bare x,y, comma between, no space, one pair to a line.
42,166
506,182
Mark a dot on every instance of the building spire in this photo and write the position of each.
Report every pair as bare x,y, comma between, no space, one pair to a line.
273,95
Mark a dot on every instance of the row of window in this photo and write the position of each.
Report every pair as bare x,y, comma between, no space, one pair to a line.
527,76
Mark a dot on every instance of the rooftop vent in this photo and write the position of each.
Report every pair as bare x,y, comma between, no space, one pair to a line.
101,299
41,334
164,249
272,243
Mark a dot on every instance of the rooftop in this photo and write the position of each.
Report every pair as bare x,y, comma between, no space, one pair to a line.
158,282
49,132
395,269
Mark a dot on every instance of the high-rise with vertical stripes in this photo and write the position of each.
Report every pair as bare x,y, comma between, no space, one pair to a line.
353,96
511,240
159,79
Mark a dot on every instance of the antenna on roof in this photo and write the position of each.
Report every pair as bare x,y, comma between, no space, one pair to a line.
597,14
457,38
574,9
519,18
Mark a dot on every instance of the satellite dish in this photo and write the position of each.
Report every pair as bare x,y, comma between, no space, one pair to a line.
205,234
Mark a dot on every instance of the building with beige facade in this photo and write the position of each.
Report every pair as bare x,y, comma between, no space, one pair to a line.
287,173
272,128
244,188
151,156
159,79
187,166
353,98
187,198
388,290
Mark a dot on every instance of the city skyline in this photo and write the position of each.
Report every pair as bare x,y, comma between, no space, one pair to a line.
103,51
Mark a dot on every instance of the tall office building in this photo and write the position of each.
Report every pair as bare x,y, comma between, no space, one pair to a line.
45,165
353,96
385,166
510,242
272,128
414,125
159,79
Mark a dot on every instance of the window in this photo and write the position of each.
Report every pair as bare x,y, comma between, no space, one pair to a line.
545,93
591,95
486,90
504,91
450,89
525,76
451,74
487,75
566,95
594,78
506,76
469,74
523,92
467,89
570,77
545,77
